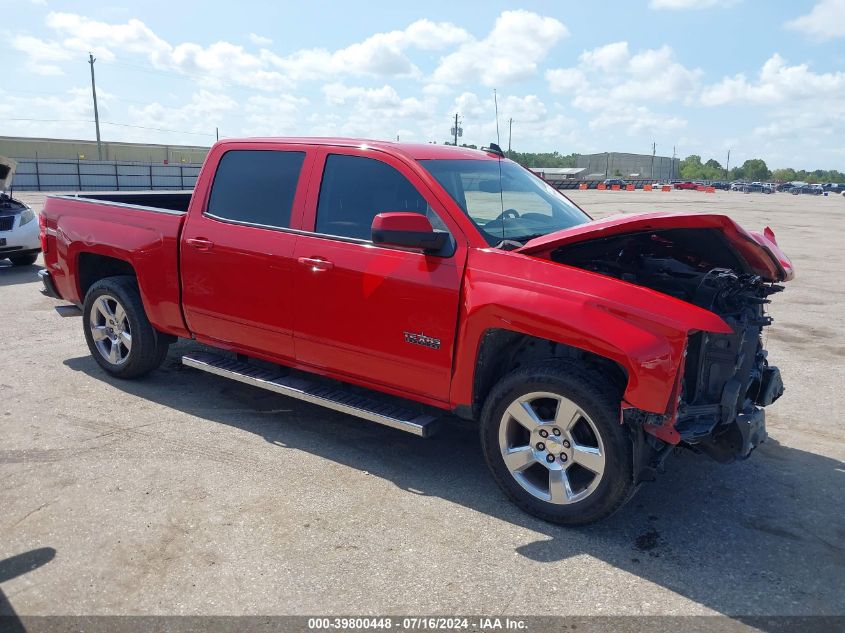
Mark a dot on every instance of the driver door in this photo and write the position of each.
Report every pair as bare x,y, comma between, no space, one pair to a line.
362,309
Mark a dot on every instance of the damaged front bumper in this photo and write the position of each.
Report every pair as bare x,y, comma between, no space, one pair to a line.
725,384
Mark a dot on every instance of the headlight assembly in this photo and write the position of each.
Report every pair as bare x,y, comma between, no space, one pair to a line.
27,216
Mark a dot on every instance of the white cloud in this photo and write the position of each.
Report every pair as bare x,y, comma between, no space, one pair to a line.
610,75
608,58
826,21
680,5
519,41
277,115
43,55
219,63
200,115
374,112
533,122
376,102
565,80
800,105
381,55
634,121
260,40
619,88
777,83
66,115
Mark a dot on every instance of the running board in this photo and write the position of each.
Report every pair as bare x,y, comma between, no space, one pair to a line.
69,311
329,396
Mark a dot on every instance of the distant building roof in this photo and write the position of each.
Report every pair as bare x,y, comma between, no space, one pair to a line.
563,171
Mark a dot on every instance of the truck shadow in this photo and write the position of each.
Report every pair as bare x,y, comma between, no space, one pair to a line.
12,275
761,537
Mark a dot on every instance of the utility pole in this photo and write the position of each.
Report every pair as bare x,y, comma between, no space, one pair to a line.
728,165
456,131
673,163
510,131
217,133
91,61
653,152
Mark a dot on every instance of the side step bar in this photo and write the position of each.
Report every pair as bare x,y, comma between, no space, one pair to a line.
69,311
332,397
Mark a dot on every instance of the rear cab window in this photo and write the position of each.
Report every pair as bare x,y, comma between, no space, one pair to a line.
255,187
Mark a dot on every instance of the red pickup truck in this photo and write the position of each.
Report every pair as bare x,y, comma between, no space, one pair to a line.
401,282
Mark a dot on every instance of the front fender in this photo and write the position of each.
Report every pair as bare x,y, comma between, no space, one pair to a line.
642,330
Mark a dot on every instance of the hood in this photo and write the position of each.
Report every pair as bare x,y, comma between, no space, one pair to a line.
759,250
7,172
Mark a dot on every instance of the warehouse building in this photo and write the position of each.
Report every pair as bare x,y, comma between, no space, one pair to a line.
50,148
634,166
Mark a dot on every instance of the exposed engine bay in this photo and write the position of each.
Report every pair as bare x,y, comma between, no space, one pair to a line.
727,377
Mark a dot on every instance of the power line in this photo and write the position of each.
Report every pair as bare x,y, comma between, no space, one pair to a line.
157,129
141,127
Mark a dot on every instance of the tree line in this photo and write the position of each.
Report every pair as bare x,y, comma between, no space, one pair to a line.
691,168
754,169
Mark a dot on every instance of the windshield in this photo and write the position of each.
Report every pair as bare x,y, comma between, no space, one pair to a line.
509,206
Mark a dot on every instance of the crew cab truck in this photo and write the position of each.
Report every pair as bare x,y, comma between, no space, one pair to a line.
398,282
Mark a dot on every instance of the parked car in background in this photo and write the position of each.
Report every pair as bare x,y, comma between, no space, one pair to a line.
724,186
834,187
687,184
813,190
609,182
786,186
19,239
757,187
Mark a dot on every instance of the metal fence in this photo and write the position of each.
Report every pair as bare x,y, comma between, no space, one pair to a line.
94,175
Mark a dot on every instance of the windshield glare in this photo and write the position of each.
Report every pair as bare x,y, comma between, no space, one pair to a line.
513,205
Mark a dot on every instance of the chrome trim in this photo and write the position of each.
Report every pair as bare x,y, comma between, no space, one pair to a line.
302,389
51,232
124,205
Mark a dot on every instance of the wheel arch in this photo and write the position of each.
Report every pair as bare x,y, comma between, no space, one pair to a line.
502,351
92,267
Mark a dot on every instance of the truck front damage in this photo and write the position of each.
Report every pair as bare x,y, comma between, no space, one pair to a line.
725,380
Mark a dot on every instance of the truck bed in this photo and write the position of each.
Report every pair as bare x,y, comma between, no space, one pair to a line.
92,231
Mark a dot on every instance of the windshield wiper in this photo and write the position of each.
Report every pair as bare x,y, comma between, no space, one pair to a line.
528,238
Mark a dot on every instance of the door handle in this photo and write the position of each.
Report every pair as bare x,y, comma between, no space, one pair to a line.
316,264
200,243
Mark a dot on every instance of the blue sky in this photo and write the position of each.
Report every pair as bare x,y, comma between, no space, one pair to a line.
765,79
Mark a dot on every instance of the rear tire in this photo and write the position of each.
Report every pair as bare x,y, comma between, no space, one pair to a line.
569,459
117,330
23,260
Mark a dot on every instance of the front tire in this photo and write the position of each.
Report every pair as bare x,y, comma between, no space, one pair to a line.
117,330
552,438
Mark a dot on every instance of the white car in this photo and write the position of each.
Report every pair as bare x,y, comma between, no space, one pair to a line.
20,241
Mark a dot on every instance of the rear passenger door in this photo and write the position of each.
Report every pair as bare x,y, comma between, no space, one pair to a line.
237,270
381,315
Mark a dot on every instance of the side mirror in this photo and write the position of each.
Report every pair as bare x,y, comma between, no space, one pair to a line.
409,230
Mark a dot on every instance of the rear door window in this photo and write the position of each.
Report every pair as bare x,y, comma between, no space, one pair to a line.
255,187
